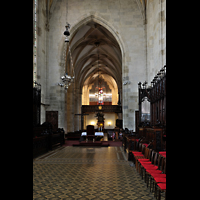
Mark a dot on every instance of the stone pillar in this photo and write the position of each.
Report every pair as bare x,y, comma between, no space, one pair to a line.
70,109
77,109
119,115
119,97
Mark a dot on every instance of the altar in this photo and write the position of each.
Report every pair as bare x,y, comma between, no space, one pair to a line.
95,134
91,139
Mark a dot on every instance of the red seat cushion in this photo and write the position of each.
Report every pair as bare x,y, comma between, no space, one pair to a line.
138,155
136,152
158,175
162,186
162,153
153,171
146,163
150,167
143,160
160,180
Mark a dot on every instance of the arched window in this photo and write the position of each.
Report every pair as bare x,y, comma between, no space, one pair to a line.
145,110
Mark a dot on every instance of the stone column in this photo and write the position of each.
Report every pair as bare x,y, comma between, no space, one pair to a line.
70,109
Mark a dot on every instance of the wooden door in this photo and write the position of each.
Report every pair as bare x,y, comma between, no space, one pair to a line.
52,117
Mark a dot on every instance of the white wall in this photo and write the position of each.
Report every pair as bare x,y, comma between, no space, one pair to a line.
109,117
156,37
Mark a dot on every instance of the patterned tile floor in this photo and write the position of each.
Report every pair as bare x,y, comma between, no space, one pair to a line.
87,173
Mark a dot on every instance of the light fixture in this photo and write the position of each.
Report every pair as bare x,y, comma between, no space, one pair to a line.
67,79
37,85
66,39
126,82
92,123
109,123
66,32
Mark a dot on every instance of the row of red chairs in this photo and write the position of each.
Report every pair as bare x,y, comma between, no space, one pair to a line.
149,162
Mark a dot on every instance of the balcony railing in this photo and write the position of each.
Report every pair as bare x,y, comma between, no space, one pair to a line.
103,108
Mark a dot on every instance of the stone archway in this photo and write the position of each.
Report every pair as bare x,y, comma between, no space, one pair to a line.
84,59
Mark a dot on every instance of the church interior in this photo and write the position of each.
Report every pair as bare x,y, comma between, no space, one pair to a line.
99,99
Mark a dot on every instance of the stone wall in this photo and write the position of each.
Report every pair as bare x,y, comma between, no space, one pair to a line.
142,46
41,54
55,61
124,20
156,37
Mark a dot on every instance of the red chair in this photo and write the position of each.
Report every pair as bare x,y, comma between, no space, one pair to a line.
145,144
139,150
139,154
145,160
145,157
161,187
162,153
155,176
147,164
149,170
159,178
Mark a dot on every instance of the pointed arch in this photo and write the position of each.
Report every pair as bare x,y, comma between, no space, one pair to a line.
84,20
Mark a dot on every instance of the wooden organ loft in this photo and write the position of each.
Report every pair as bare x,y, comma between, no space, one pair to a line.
151,117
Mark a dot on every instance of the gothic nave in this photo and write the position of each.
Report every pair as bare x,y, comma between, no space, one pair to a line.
99,99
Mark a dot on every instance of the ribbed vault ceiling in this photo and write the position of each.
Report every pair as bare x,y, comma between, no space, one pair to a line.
96,52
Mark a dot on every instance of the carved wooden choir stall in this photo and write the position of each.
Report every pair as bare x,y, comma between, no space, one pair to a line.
46,136
151,116
151,123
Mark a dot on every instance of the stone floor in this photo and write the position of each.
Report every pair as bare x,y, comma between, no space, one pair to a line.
87,173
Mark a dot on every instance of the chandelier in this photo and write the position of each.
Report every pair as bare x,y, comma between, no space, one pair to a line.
67,79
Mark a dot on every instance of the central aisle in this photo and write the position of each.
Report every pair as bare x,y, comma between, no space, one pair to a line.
87,173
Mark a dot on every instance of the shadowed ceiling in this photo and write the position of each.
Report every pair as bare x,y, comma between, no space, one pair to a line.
96,52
